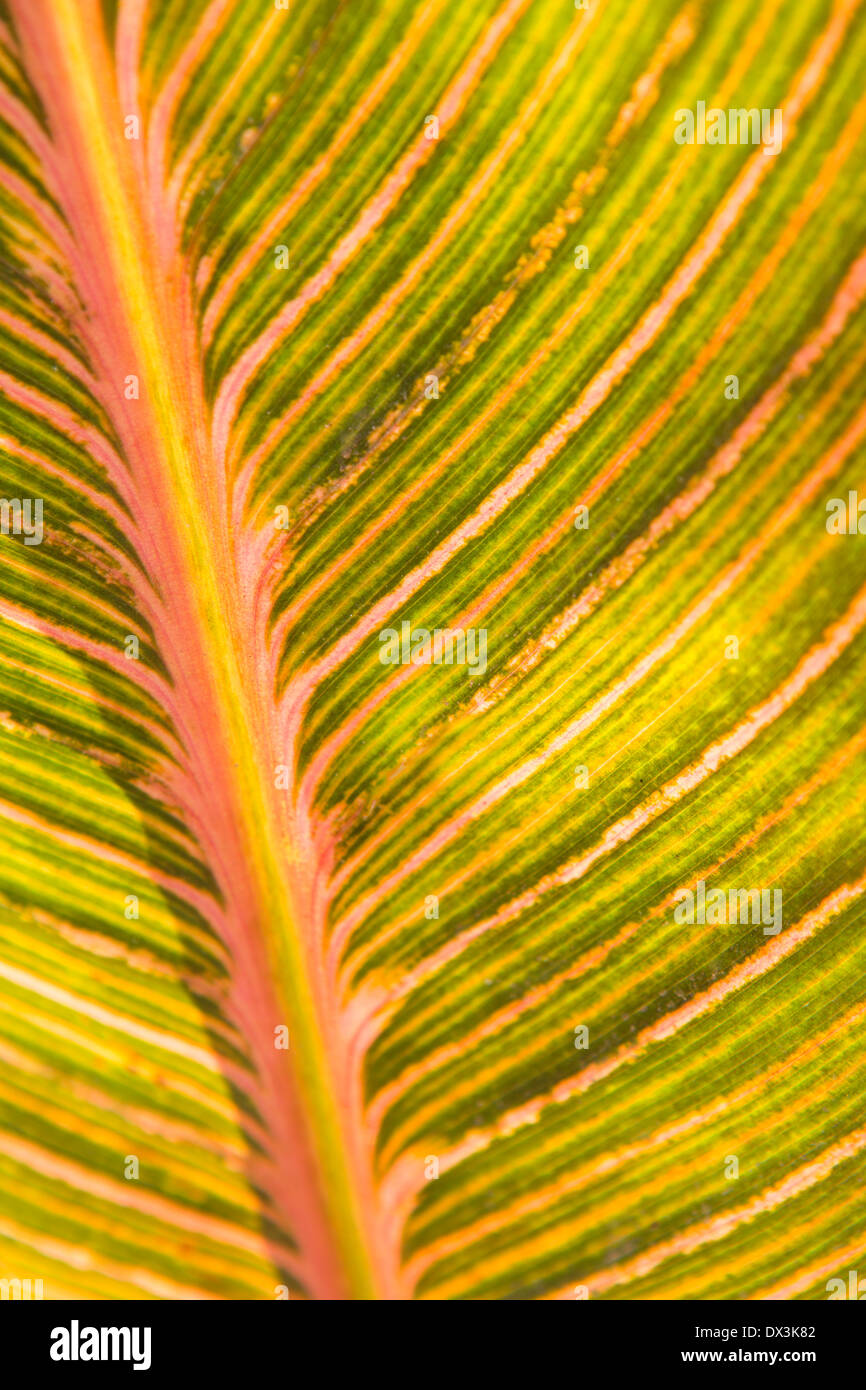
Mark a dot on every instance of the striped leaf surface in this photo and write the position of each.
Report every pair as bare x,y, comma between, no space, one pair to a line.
327,326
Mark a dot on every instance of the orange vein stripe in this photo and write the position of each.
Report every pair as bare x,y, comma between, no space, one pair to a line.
622,567
527,1051
236,380
127,1194
590,960
602,384
718,1227
350,348
764,960
809,668
78,1258
833,1264
619,570
228,99
163,113
130,1027
315,173
589,1172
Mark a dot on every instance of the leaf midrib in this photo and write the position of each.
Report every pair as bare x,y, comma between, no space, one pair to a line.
193,542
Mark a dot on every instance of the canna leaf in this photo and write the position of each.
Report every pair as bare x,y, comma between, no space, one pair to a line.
433,603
